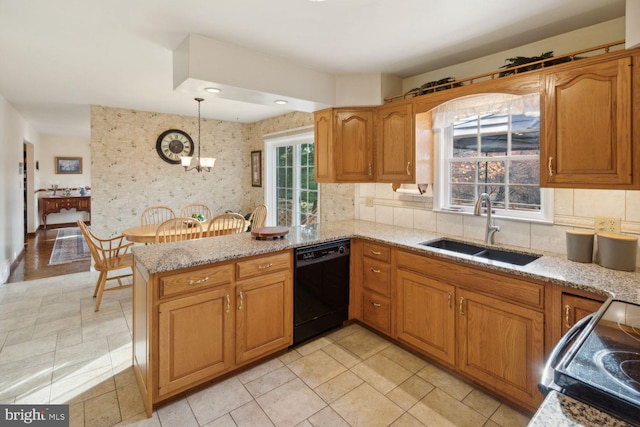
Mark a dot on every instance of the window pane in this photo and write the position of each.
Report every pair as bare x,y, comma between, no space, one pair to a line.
495,192
462,194
465,146
491,172
525,142
463,172
493,145
524,198
524,172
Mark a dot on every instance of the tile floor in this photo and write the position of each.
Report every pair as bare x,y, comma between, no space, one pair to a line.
56,349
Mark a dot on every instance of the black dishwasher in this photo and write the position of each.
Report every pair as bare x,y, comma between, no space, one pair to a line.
321,289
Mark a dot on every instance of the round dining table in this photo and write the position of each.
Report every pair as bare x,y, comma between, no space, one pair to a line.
147,233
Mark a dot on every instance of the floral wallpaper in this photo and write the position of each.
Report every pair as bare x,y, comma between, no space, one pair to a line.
127,175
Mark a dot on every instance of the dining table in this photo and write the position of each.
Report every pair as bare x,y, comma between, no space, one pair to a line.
147,233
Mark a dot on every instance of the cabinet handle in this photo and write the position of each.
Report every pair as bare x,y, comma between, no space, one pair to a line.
228,304
375,304
374,252
461,308
550,166
241,300
449,300
408,166
197,282
369,169
264,267
373,270
567,313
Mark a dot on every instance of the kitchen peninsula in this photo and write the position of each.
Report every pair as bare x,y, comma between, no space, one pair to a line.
172,278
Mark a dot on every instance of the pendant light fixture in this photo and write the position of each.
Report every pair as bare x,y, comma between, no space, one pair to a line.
198,163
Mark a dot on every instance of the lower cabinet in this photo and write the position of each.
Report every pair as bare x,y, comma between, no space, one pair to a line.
193,325
576,307
501,345
187,353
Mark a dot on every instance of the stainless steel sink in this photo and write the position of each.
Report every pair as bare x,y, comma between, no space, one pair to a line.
515,258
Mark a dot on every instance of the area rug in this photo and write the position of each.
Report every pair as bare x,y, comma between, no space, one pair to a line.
69,247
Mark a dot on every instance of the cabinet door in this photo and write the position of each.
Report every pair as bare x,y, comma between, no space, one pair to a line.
354,146
586,127
395,148
501,345
426,315
575,308
264,315
324,157
195,339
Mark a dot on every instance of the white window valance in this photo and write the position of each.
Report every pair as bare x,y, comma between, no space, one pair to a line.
476,105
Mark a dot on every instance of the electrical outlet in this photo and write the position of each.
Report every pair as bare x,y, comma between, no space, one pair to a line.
369,202
607,224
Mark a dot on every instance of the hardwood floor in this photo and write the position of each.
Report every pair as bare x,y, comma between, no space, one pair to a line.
35,262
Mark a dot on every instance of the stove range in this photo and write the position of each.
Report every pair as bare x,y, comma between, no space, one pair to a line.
598,361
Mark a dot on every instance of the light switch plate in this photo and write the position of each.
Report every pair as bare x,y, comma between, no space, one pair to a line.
606,224
369,202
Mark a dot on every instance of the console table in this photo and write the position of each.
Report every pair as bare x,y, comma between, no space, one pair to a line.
54,204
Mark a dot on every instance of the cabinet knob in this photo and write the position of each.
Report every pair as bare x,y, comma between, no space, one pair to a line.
228,304
373,270
449,300
241,300
375,304
369,168
461,306
374,252
198,281
550,166
567,314
408,168
264,267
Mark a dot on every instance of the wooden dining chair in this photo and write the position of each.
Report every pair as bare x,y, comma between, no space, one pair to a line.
108,255
181,228
196,208
258,217
227,223
157,215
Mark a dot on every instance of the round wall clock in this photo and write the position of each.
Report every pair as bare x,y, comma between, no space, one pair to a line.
173,144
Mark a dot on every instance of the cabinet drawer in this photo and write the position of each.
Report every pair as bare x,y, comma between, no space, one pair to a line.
377,276
376,311
498,285
263,265
197,279
380,252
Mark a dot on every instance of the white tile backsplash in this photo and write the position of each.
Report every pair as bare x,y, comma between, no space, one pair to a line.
451,224
591,203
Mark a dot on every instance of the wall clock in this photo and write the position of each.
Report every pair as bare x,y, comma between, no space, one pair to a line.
173,144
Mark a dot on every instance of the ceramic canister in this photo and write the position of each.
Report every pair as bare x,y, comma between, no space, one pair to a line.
617,251
580,245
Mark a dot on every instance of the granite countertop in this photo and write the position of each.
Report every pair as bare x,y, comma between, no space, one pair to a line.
549,267
556,409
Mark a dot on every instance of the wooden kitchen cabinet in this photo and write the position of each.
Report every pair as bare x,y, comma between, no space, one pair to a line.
196,339
395,145
575,307
426,315
264,317
501,345
192,325
344,145
587,138
377,295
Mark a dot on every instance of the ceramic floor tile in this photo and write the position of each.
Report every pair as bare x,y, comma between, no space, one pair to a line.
345,331
327,417
445,381
19,336
481,402
364,406
39,395
52,326
223,421
177,413
76,388
342,355
141,420
215,401
70,369
407,420
440,409
363,343
102,410
69,338
404,358
506,416
76,415
381,373
259,370
18,352
311,346
12,322
268,382
290,403
129,400
250,415
289,357
410,392
85,351
316,368
338,386
104,328
19,378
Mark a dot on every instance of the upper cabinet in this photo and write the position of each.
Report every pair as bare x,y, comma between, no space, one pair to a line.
586,125
395,146
344,145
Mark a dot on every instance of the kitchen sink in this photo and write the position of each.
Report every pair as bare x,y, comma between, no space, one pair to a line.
515,258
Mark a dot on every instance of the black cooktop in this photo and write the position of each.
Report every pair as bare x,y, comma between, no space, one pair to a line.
603,366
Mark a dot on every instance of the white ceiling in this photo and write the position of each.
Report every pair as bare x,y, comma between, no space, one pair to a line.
57,57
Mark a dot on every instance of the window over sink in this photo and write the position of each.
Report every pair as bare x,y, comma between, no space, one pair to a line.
491,144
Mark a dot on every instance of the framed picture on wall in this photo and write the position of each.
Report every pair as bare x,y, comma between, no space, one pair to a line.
256,168
69,165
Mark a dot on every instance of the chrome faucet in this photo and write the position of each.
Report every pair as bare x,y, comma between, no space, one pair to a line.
491,229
